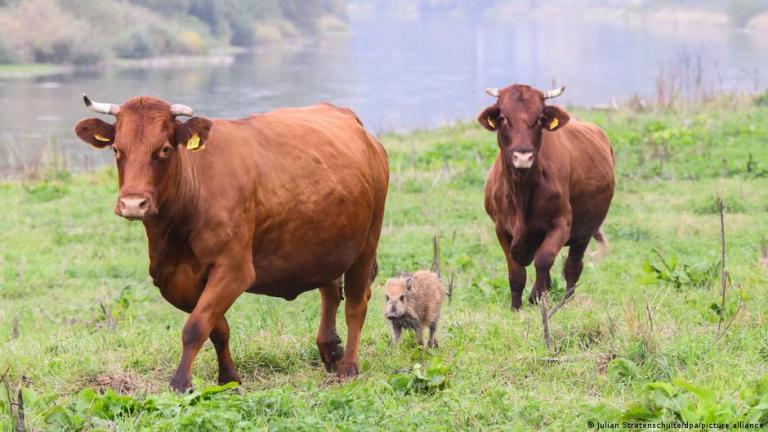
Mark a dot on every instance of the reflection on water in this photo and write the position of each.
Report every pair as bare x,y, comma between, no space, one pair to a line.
396,75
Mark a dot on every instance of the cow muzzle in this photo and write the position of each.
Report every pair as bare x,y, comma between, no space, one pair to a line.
135,207
522,160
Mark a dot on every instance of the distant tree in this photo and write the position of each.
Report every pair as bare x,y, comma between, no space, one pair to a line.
168,8
741,11
304,13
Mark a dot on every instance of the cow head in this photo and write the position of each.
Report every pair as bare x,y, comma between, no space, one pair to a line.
145,139
519,117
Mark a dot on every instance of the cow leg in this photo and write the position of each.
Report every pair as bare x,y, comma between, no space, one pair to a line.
516,272
328,341
220,339
574,264
357,288
225,284
182,292
545,258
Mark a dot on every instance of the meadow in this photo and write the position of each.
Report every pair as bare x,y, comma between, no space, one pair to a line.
89,344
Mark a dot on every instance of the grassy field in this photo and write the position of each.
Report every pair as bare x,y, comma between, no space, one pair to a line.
92,344
8,71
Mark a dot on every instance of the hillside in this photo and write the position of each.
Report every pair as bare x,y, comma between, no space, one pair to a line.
87,32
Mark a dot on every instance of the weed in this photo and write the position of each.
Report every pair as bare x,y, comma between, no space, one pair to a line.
421,379
680,275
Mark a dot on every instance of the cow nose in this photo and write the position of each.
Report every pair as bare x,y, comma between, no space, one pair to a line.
522,159
133,207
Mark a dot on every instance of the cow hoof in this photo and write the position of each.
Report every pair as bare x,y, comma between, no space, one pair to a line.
228,377
181,384
331,352
533,300
516,304
347,370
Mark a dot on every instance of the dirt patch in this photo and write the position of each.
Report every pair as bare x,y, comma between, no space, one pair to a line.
121,382
602,361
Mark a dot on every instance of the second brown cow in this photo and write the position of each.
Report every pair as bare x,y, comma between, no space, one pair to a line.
273,204
550,186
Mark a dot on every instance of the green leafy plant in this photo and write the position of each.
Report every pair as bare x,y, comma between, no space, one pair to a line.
45,191
680,275
686,402
420,379
622,370
90,409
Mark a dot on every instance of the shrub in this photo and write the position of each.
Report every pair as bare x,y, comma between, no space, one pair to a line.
420,379
762,99
6,54
741,11
678,274
135,45
685,402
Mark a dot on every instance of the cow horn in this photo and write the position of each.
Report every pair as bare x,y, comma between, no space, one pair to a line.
101,108
549,94
493,91
181,110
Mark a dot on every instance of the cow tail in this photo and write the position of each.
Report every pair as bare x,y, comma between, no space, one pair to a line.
435,256
602,247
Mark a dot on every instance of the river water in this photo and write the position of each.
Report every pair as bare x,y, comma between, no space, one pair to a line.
397,75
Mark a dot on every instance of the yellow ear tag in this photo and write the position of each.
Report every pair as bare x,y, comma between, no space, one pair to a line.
101,138
194,143
553,124
490,122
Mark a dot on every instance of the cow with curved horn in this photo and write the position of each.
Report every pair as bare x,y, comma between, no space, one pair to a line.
551,185
276,204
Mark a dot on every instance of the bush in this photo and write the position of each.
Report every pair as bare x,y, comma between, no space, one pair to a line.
62,41
741,11
762,99
669,270
135,45
685,402
144,28
6,54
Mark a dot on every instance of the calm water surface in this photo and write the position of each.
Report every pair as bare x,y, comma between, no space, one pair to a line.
396,75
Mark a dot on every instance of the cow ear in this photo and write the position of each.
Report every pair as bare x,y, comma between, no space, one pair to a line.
489,117
193,134
553,118
96,132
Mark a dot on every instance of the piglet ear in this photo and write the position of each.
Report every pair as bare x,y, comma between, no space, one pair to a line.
96,132
409,284
193,134
489,117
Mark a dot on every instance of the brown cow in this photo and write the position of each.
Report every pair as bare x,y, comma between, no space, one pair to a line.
275,204
551,185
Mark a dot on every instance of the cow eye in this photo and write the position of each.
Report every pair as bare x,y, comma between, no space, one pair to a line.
164,152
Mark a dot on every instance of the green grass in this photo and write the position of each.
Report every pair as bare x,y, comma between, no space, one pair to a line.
66,259
26,70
